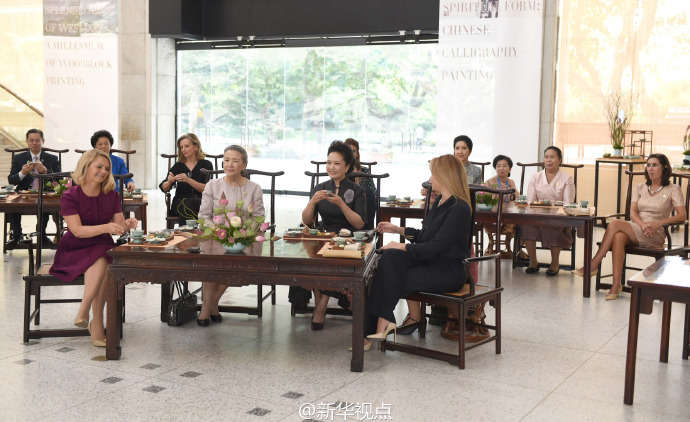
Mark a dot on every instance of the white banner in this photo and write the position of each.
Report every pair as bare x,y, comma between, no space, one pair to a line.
80,49
489,60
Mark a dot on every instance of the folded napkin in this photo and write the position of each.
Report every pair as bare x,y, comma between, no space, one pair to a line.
340,253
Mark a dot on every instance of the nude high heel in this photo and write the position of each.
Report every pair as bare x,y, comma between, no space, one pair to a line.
614,296
382,336
97,343
81,323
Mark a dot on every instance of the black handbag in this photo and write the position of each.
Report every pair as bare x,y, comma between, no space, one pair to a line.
182,309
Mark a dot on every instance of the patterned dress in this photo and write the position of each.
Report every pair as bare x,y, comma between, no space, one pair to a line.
561,188
655,208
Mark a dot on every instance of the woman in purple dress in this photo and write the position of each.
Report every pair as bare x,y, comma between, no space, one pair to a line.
91,208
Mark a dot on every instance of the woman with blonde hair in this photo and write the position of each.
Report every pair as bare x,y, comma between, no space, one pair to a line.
91,208
187,179
433,261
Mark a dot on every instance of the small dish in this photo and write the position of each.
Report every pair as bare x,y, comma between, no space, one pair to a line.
135,196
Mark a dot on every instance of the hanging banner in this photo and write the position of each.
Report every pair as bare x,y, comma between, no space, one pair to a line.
489,59
80,49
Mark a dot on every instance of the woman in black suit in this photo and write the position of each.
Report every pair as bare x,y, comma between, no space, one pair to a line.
433,261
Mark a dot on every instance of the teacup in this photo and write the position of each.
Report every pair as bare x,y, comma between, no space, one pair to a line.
584,203
190,223
522,197
360,234
340,241
392,198
313,232
161,235
137,233
546,201
137,190
329,192
10,187
407,198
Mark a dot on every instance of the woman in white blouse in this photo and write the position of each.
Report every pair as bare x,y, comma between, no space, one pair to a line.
234,187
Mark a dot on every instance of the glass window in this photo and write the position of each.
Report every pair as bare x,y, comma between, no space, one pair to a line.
286,105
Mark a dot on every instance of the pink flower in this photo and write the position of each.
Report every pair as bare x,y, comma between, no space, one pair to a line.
222,234
224,202
230,214
264,226
244,232
218,219
231,240
260,238
68,184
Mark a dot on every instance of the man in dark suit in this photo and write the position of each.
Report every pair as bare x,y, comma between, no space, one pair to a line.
23,164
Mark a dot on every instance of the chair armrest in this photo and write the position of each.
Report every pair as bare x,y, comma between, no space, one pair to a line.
604,219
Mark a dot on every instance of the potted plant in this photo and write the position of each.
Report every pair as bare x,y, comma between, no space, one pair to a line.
618,117
686,144
486,201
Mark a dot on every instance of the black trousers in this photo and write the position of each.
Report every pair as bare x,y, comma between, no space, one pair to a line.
15,220
399,276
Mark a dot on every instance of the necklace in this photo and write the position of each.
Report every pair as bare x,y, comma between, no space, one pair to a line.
649,188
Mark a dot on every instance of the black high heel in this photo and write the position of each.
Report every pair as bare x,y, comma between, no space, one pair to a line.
406,330
203,322
216,318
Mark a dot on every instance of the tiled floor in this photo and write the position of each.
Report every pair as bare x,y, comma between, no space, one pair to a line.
563,359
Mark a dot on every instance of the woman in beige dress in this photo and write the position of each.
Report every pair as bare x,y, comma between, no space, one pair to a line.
502,164
234,186
650,208
554,185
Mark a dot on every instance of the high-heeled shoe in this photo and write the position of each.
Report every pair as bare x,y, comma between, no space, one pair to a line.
216,318
96,342
203,322
614,296
382,336
316,326
406,330
367,347
580,272
81,323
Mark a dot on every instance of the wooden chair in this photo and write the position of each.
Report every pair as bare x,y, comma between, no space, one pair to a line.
260,297
126,153
481,164
460,302
170,218
668,250
39,277
5,233
517,245
294,310
368,164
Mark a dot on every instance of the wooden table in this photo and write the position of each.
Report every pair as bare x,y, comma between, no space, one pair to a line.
536,216
284,262
630,162
28,204
668,280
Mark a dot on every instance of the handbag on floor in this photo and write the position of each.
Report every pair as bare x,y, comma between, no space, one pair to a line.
182,309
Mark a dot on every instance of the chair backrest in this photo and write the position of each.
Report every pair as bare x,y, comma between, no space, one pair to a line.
115,151
368,164
481,164
354,174
59,152
628,198
172,159
541,165
248,175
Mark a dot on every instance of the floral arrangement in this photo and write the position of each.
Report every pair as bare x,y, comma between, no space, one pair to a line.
234,226
486,198
618,116
686,141
59,186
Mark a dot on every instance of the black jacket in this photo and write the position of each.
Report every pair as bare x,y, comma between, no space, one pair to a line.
50,161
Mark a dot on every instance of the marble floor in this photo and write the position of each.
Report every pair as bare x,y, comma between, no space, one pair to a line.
563,358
